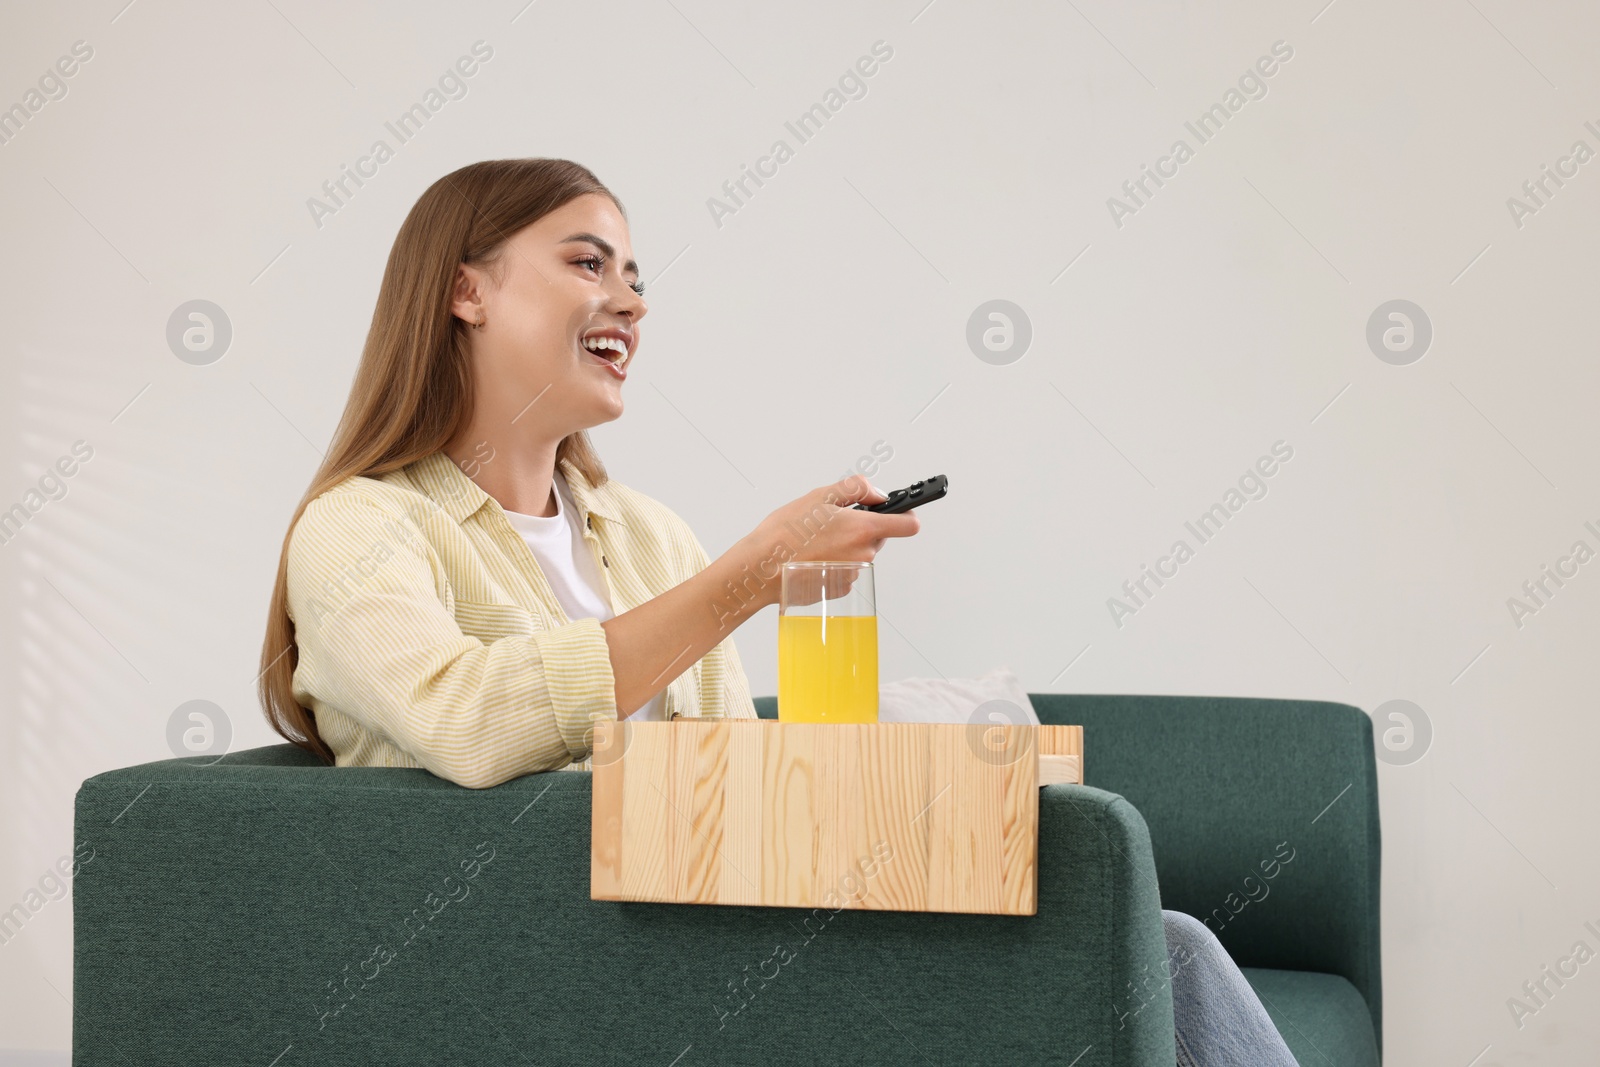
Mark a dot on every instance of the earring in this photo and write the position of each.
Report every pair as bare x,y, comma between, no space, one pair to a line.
478,325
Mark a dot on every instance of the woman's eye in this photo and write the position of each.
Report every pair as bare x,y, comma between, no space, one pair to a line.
598,264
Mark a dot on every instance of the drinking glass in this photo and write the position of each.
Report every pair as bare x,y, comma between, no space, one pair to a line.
827,643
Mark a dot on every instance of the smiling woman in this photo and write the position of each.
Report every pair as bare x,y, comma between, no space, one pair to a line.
463,587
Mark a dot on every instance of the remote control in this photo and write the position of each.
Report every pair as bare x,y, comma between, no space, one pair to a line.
912,496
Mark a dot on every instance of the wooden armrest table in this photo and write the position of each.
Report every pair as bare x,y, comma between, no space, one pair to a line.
879,816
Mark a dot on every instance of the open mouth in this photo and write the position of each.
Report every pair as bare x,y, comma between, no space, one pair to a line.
609,346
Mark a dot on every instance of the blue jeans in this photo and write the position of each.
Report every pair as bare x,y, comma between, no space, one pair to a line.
1219,1019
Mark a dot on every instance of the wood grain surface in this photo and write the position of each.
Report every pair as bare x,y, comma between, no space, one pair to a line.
883,816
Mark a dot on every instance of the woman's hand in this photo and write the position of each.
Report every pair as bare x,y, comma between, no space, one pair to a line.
658,640
823,526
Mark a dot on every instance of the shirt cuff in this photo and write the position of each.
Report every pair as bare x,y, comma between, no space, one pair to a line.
577,672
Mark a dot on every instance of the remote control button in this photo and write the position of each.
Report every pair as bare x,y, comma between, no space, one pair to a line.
916,490
913,485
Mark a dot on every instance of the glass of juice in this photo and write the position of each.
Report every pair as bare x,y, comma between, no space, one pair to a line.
827,643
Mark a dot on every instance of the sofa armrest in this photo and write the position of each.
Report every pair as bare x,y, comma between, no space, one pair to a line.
1228,785
271,910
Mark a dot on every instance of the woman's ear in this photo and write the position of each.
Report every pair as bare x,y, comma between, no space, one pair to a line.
466,295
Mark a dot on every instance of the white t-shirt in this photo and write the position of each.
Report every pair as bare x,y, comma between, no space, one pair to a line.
568,565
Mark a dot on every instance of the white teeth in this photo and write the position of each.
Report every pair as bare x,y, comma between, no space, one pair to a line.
612,344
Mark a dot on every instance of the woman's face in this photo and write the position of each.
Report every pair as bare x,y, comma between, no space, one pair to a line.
561,327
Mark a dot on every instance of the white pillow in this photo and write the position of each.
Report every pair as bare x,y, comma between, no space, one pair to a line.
957,700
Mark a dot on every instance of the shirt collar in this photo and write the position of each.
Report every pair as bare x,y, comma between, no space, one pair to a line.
449,487
591,499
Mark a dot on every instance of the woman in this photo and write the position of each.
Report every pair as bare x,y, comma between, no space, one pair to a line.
463,588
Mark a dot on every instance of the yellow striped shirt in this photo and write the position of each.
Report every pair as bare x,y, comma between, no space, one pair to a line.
429,637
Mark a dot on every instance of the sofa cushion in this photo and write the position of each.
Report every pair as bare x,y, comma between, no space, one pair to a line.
998,694
1322,1018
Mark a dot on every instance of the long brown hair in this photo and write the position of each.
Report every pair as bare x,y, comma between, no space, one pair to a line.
412,391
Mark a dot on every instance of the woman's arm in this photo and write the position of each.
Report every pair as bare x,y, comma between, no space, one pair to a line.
377,642
660,639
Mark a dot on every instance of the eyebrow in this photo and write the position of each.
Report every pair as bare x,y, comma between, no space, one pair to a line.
605,248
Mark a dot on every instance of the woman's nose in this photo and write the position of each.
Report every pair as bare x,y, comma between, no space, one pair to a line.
624,301
632,303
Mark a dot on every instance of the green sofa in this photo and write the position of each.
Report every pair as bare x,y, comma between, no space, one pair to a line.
266,910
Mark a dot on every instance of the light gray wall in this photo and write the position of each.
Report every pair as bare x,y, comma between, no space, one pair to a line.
1171,347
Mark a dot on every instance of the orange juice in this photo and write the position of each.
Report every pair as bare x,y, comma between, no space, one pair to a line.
828,668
